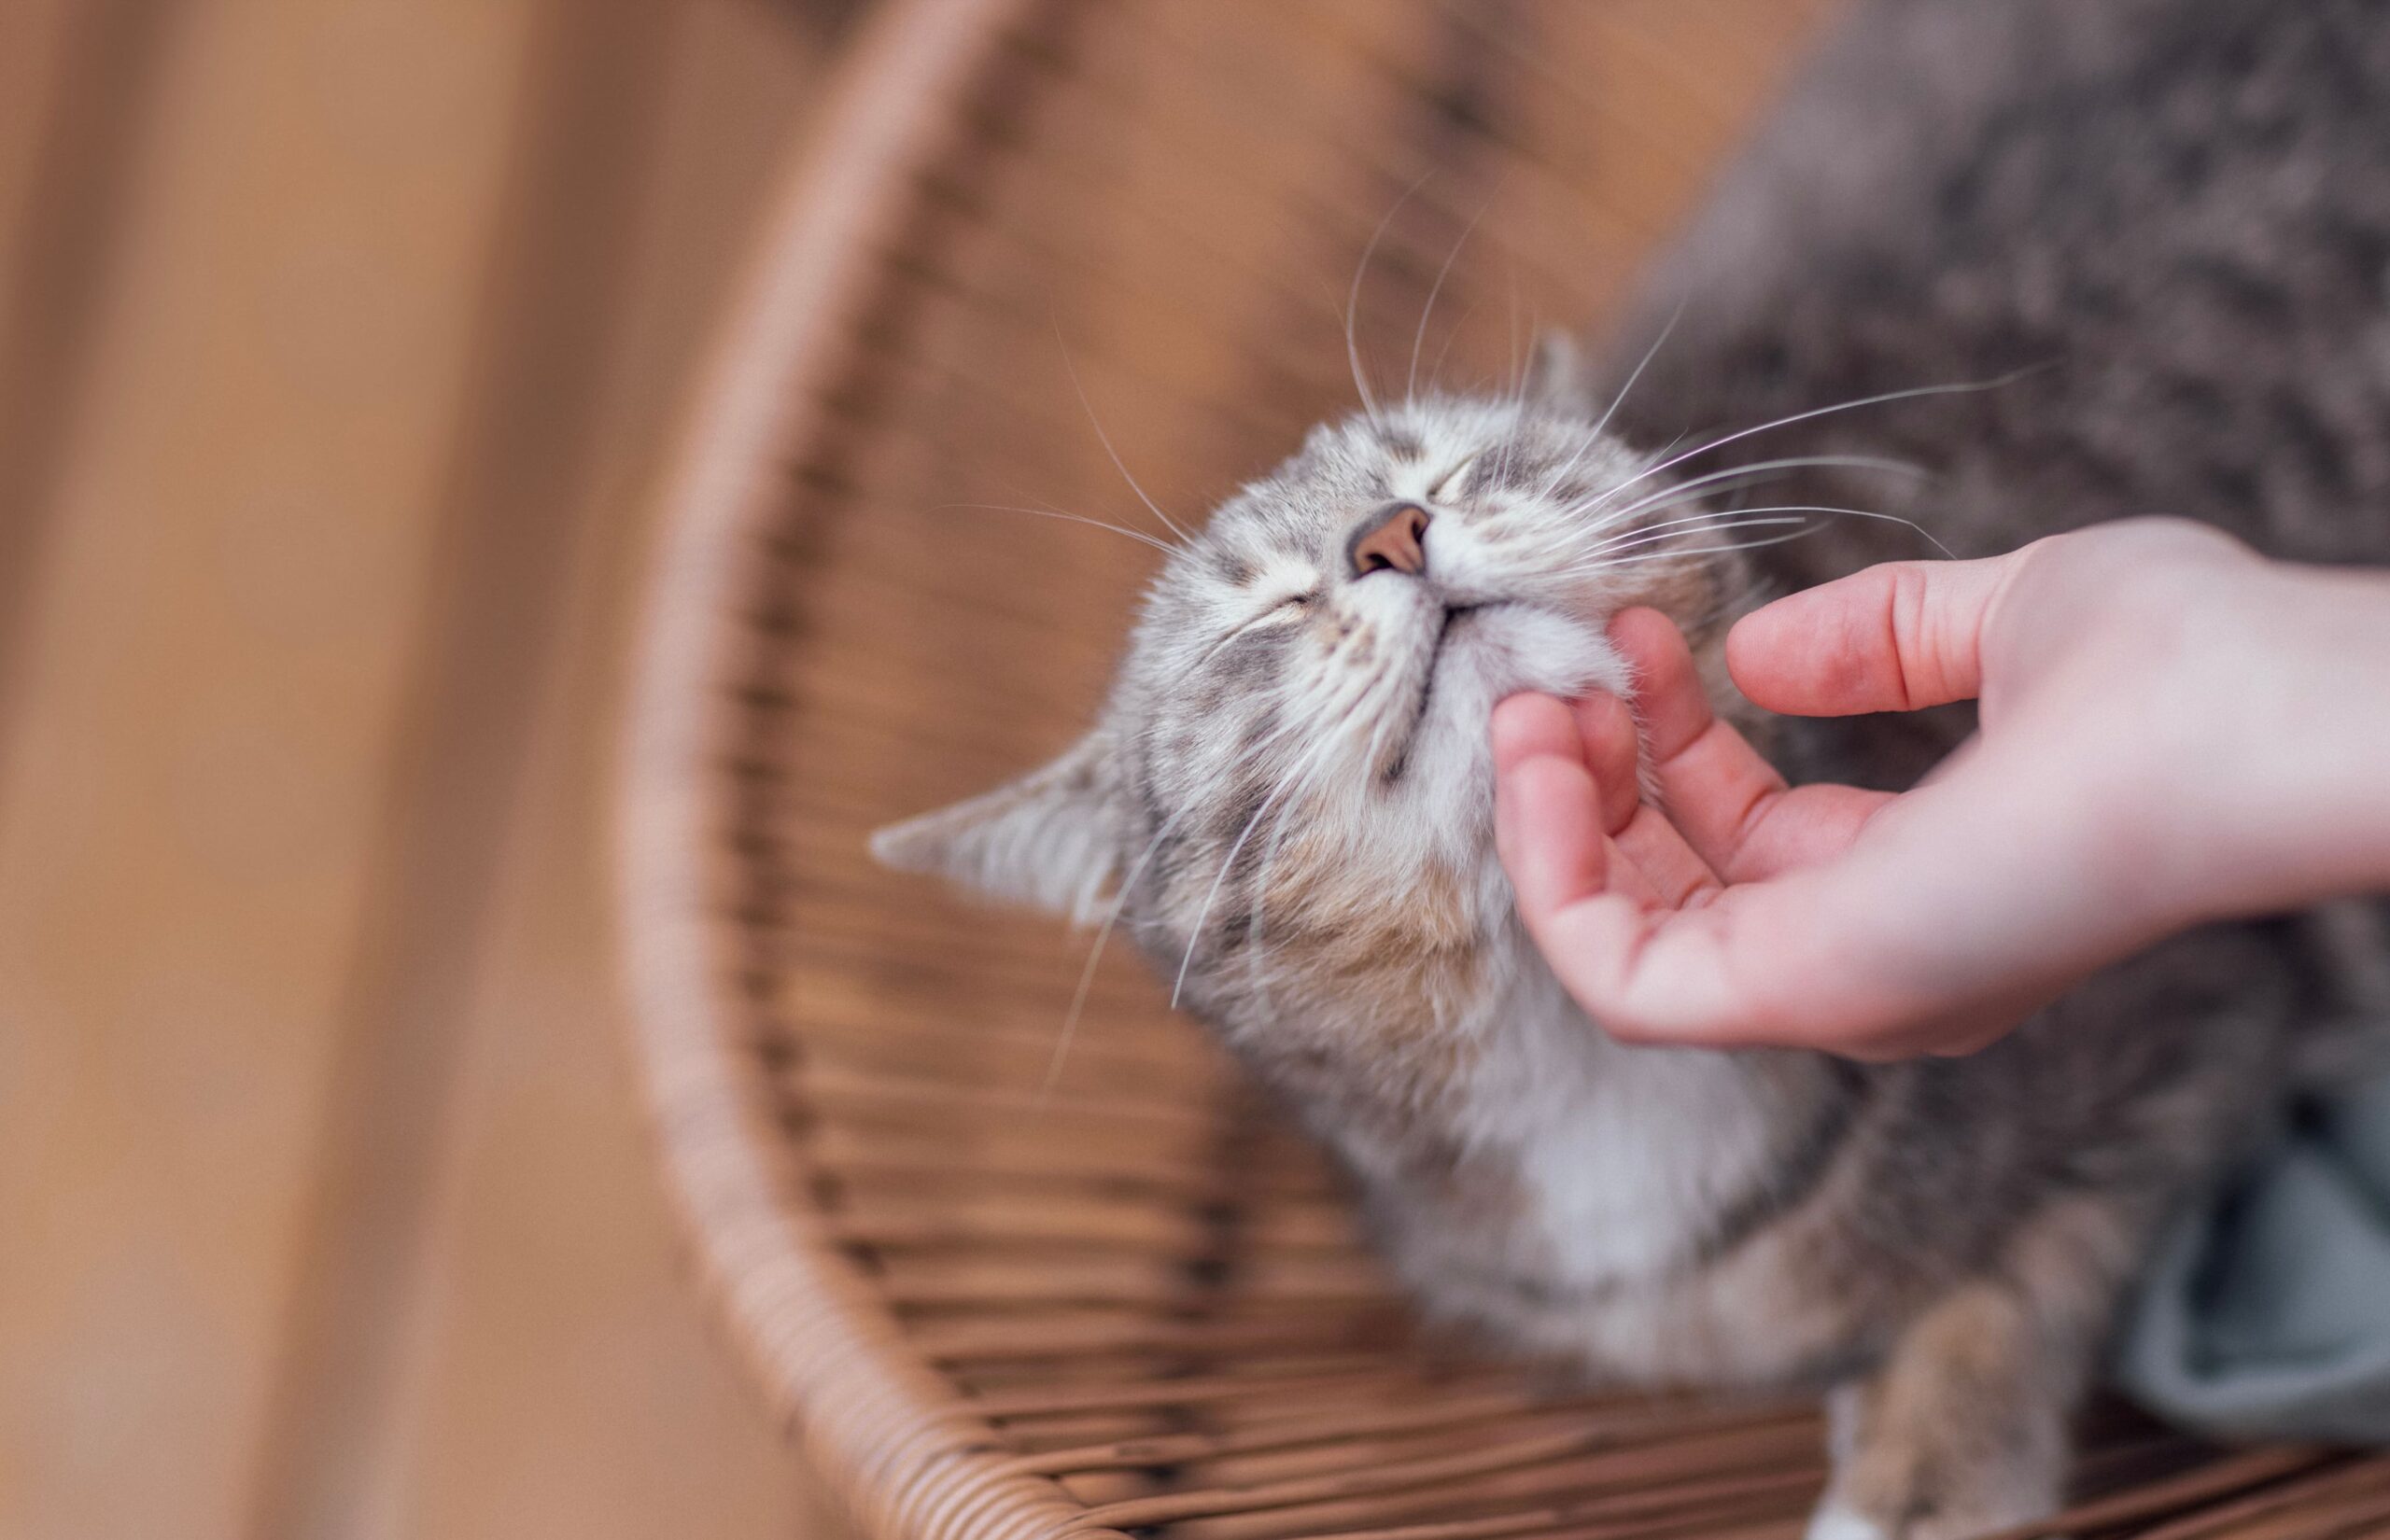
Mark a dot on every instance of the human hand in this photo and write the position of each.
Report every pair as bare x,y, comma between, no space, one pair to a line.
2171,729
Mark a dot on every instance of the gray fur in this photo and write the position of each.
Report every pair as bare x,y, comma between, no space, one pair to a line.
2175,214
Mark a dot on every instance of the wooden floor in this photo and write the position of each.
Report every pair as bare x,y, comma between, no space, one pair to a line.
338,340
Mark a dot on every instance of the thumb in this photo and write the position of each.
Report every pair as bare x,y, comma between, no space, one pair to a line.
1896,637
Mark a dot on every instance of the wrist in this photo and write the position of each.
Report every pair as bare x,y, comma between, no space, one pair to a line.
2290,803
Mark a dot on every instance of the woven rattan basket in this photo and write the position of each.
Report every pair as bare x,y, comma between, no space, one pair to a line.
1130,1301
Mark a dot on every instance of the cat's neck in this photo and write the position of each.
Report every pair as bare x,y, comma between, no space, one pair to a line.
1632,1163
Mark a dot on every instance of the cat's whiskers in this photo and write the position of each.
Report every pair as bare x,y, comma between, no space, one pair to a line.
1553,482
1713,550
1523,371
1095,956
1435,369
1640,364
1270,854
1105,440
1367,707
1606,556
1678,529
1574,546
1121,899
1137,535
1370,705
1852,405
1320,747
1352,300
1382,683
1731,478
1712,484
1708,516
1418,338
1589,541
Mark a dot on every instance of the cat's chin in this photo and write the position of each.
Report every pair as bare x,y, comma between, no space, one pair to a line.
1499,650
1491,651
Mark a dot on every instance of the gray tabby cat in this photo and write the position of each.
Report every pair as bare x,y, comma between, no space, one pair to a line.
2174,217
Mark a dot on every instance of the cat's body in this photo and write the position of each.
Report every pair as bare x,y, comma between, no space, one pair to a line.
2170,211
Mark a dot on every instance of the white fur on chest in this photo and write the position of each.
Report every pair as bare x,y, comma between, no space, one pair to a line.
1627,1157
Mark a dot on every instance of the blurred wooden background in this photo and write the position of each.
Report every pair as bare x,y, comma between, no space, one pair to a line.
337,340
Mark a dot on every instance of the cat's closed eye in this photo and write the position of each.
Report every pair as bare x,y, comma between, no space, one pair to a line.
1287,607
1271,616
1445,484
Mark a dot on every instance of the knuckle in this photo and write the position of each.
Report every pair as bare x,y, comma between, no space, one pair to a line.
1917,646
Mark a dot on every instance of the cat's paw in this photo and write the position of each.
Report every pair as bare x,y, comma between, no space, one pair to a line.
1838,1520
1833,1522
1876,1498
1962,1433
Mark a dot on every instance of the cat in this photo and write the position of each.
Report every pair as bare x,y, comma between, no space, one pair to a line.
2157,232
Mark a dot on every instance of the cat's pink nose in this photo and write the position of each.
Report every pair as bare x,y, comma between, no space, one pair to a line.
1392,537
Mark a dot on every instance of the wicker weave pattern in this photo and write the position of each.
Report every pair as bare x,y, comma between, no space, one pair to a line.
1131,1300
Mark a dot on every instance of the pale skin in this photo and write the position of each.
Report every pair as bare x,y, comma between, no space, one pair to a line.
2173,730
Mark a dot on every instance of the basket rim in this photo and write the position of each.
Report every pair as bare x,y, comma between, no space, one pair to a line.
902,1448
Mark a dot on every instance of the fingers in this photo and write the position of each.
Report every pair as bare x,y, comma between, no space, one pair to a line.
1718,794
1896,638
1667,689
1528,727
1929,933
1553,840
1656,849
1745,970
1605,726
1547,810
1716,788
1651,974
1554,784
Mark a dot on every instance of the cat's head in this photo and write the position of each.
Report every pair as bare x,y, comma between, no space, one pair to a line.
1289,789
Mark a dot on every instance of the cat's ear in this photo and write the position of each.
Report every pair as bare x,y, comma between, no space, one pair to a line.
1051,838
1556,373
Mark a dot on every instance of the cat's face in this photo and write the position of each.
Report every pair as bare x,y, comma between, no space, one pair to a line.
1289,793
